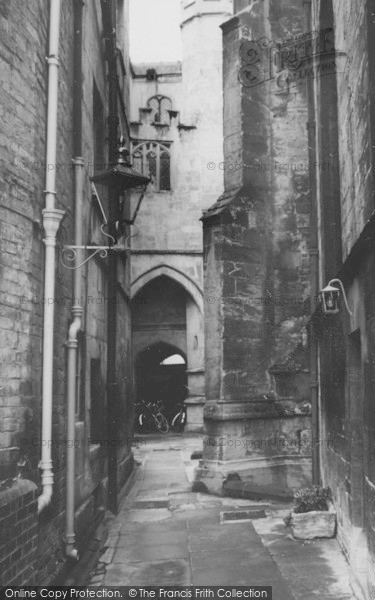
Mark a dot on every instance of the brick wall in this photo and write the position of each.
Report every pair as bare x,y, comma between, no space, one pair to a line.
18,533
21,197
23,69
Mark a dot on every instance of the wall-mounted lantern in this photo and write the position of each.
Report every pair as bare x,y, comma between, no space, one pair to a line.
330,296
128,184
121,176
126,181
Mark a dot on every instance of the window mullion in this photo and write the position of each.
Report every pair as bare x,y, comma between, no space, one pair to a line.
158,167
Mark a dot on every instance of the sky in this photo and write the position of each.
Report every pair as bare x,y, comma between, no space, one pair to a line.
155,30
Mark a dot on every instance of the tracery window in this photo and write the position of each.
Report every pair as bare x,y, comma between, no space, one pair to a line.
160,105
153,159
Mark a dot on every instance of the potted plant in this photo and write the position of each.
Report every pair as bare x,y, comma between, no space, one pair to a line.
313,514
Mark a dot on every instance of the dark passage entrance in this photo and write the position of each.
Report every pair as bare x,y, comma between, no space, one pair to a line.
161,376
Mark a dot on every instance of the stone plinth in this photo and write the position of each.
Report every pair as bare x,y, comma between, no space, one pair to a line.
253,443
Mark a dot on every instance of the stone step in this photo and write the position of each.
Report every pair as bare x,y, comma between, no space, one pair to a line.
252,491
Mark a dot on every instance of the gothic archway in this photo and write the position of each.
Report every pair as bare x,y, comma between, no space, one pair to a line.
166,315
164,270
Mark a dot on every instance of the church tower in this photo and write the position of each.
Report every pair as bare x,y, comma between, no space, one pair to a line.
202,82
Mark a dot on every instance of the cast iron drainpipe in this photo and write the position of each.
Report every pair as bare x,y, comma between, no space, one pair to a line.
77,309
72,349
51,222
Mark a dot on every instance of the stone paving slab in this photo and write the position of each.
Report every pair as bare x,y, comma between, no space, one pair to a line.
212,538
179,488
144,527
248,566
146,504
191,500
145,516
167,477
152,495
153,573
141,552
152,538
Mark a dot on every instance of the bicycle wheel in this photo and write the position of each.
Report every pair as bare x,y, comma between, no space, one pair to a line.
146,422
178,422
161,423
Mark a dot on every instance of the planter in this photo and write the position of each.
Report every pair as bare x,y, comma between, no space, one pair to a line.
314,524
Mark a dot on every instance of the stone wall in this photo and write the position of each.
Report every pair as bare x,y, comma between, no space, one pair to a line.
353,89
257,267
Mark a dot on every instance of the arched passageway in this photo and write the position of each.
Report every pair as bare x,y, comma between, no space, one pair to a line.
161,376
167,321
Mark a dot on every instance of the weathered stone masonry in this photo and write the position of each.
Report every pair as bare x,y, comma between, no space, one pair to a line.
257,413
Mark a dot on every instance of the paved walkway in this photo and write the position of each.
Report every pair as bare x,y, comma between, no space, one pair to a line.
166,535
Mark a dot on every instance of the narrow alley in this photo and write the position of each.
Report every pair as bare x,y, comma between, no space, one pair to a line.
187,298
167,535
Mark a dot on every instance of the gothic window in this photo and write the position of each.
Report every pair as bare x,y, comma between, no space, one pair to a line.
153,160
160,106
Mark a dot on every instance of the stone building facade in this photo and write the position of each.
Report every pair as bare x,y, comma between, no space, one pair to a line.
341,108
258,413
33,545
176,127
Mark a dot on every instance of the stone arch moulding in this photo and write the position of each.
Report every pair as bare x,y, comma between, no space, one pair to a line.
188,284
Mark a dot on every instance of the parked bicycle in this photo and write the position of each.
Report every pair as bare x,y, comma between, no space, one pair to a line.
150,416
178,422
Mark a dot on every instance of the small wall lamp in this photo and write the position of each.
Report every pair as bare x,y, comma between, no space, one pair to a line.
329,298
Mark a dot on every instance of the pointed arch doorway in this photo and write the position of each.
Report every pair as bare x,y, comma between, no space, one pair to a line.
168,346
